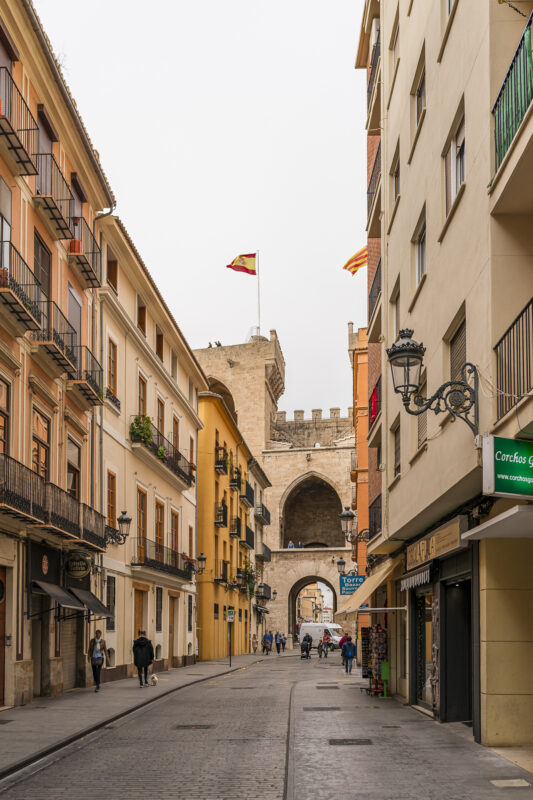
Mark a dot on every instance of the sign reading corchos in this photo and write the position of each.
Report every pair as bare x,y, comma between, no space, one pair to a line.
77,564
507,467
349,583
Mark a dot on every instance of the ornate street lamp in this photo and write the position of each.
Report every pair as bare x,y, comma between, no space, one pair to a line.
347,518
200,567
341,565
274,594
119,536
239,578
457,397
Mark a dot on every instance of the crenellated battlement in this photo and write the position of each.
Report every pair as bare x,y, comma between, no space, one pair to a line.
318,430
316,415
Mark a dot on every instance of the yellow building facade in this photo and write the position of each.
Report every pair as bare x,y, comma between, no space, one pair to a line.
231,580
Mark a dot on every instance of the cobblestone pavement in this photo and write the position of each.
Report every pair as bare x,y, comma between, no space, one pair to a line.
251,748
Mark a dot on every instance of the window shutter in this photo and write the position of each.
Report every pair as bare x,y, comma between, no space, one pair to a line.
458,351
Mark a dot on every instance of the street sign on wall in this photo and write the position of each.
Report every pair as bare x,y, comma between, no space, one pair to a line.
231,615
349,583
507,467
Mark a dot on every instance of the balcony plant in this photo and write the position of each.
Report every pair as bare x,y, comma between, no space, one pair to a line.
141,429
162,453
249,578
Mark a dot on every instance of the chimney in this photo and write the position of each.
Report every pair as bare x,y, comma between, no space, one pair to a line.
334,413
299,416
316,413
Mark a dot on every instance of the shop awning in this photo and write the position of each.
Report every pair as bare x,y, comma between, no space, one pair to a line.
362,594
63,598
91,602
515,523
417,577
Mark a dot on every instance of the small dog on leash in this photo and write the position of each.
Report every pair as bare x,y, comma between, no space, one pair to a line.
153,680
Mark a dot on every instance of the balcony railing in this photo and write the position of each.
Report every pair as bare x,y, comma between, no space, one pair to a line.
18,127
147,553
88,376
263,553
374,517
56,336
247,494
53,195
221,515
113,399
221,460
262,514
248,539
375,291
374,402
515,96
374,180
514,362
94,526
63,510
20,291
263,591
235,527
84,251
373,69
235,478
22,491
144,431
222,571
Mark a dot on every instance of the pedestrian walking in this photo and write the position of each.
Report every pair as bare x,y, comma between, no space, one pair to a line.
270,642
283,642
265,644
341,645
277,642
325,645
96,654
254,643
348,652
143,656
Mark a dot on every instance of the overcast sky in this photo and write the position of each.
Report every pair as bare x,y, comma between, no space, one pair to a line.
225,127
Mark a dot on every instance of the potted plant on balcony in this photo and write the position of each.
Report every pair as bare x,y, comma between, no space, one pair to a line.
141,429
249,577
162,453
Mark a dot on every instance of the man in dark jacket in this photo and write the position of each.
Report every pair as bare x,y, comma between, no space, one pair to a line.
348,653
143,655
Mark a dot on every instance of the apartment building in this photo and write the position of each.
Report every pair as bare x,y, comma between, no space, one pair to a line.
231,483
149,445
449,126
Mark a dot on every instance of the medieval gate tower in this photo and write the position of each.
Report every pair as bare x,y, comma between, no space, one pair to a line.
307,461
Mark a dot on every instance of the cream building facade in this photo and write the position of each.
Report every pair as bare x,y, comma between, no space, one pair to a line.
450,210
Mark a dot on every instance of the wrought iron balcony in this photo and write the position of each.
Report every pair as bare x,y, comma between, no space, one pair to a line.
62,511
374,403
235,478
263,554
22,491
147,553
375,291
221,571
84,253
56,336
93,527
53,196
18,127
221,460
373,69
235,527
263,591
262,514
514,97
221,515
112,398
375,177
374,518
144,432
20,291
88,378
514,362
247,494
248,539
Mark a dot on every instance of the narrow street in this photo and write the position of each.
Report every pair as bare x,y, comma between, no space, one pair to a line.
271,730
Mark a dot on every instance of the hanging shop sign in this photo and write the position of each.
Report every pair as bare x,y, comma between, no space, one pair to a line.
44,563
436,544
349,583
507,467
77,564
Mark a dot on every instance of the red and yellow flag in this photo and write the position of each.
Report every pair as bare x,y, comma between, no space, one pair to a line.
360,259
244,264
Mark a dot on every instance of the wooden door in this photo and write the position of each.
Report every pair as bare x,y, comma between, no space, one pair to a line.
2,631
171,609
138,612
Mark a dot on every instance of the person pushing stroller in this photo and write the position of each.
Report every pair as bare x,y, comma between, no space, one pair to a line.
305,646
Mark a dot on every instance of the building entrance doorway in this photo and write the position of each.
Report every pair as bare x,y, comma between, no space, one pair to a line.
2,632
457,652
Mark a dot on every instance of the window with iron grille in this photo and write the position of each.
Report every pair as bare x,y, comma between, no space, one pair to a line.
458,351
111,592
158,608
397,452
422,422
215,611
189,613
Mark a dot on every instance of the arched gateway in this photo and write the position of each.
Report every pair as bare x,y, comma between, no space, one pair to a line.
293,596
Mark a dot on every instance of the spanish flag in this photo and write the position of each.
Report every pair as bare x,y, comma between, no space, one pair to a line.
244,264
360,259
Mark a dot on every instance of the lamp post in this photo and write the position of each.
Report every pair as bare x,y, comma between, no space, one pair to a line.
341,566
274,594
347,519
200,567
457,397
119,536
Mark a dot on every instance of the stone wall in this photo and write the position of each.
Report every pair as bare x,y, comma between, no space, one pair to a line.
317,431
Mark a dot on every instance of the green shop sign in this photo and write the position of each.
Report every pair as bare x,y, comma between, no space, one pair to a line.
507,467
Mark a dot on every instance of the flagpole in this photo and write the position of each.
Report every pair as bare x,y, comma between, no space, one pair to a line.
258,294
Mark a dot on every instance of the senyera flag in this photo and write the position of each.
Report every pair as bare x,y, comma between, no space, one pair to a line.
360,259
244,263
